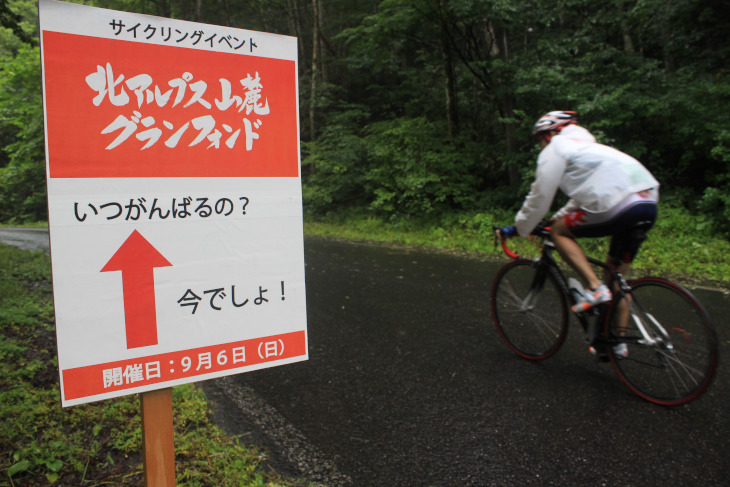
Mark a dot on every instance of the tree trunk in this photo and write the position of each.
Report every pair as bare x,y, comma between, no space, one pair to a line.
315,68
505,102
452,105
163,8
322,41
295,26
506,110
625,32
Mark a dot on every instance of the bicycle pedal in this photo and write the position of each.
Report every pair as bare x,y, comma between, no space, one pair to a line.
600,356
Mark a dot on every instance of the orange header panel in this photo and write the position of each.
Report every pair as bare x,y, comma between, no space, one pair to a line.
127,109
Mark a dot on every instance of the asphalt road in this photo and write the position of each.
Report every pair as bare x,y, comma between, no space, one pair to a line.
26,238
408,385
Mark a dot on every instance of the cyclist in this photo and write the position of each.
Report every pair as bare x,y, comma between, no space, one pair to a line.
611,194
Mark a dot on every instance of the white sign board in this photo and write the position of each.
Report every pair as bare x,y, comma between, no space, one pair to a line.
174,193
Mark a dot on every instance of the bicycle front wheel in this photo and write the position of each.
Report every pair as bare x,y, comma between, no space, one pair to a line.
671,343
529,309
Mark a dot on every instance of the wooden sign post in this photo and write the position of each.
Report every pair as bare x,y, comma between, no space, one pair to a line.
157,438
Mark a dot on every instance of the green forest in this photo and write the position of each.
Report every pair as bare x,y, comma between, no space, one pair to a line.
418,109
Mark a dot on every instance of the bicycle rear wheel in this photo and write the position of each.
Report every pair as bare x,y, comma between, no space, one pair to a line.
672,360
529,310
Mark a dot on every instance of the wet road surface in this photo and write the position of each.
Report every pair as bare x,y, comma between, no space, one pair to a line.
408,384
26,238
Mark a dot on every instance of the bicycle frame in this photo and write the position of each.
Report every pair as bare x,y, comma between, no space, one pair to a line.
594,329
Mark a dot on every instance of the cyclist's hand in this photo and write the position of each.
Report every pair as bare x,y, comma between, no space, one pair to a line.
508,232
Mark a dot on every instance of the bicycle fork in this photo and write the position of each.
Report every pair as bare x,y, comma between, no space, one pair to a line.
643,319
536,286
647,339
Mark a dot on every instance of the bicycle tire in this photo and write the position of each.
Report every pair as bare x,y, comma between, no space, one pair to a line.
529,309
679,366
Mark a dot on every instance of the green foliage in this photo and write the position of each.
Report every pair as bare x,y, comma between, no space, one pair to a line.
415,171
706,154
715,211
400,168
22,180
425,106
334,165
18,25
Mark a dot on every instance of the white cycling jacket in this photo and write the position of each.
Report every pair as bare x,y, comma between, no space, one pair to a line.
595,177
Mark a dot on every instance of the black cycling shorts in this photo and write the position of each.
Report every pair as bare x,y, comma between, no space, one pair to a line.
627,228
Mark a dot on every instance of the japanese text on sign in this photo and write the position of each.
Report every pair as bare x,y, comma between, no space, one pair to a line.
215,359
115,112
217,298
156,209
181,37
111,88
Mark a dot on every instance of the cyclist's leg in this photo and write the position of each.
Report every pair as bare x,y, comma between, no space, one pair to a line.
622,313
572,252
631,227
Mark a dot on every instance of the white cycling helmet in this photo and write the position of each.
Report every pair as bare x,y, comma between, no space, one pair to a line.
557,120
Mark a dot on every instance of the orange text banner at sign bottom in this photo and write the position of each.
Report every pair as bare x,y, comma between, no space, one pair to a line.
108,378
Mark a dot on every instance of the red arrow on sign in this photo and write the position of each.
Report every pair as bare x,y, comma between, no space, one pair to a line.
137,258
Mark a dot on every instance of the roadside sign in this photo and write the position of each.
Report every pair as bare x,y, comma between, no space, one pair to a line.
174,194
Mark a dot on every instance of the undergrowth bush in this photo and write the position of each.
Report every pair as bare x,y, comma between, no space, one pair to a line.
674,249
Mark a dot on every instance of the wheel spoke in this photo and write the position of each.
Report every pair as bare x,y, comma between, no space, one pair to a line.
529,310
666,365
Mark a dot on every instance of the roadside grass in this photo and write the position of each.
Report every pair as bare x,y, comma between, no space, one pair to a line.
42,444
676,248
41,224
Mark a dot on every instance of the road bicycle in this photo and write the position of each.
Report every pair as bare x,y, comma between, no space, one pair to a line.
671,341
